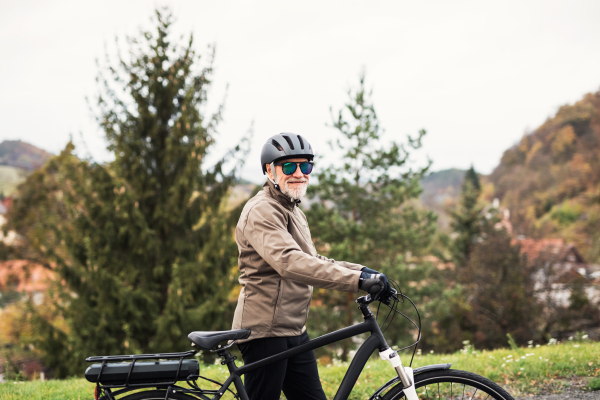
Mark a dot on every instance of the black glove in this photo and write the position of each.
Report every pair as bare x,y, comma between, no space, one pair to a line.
370,271
376,285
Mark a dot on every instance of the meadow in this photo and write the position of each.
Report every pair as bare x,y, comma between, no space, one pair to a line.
529,370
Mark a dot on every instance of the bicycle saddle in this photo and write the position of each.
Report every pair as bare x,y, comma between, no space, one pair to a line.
209,339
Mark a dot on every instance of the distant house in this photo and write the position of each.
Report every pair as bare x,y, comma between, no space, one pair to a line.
561,267
557,250
24,277
5,206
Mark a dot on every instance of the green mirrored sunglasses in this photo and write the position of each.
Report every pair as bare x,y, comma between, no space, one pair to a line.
289,168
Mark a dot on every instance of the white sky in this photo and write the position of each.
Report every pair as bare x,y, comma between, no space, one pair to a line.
475,74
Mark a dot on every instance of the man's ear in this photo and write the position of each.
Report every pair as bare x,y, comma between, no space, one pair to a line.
269,172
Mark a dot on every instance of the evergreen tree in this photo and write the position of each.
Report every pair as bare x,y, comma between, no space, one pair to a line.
364,212
499,289
142,246
495,282
467,218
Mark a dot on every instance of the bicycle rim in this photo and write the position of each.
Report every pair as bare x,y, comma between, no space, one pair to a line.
452,385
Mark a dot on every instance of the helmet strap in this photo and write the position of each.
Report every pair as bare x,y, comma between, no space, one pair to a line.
274,176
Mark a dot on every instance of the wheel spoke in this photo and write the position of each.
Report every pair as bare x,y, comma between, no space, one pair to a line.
476,384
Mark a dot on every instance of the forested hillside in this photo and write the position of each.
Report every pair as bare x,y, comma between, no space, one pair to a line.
550,181
16,153
440,191
17,159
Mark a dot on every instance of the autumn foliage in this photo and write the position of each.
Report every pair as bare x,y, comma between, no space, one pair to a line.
551,180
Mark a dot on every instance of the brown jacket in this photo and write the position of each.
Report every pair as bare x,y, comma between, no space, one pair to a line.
279,265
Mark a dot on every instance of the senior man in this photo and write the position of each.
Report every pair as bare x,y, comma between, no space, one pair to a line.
279,266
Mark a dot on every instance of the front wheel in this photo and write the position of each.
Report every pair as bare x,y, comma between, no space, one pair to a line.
451,384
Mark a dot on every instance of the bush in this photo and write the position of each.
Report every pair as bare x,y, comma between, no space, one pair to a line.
595,384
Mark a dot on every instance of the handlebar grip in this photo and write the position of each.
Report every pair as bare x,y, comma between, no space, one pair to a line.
372,286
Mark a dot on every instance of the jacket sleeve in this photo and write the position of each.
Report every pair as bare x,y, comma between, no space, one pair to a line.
345,264
266,231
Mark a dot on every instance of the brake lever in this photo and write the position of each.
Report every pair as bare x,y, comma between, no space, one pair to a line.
391,295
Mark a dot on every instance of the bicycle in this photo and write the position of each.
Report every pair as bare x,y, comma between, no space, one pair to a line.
431,381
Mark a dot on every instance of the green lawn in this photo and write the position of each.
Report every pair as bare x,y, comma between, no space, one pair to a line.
525,370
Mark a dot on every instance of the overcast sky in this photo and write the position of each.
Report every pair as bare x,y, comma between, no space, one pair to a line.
476,75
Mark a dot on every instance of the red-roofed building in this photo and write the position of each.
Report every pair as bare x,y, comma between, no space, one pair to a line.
7,204
23,276
556,250
560,267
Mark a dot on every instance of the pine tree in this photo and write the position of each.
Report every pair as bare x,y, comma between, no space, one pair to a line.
467,218
499,289
364,212
143,246
495,282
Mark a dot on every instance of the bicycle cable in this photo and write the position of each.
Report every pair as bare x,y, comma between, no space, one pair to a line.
393,304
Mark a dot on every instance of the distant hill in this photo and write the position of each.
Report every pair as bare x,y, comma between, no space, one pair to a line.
550,181
17,160
15,153
440,191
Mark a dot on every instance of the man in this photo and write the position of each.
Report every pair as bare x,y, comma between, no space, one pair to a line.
279,265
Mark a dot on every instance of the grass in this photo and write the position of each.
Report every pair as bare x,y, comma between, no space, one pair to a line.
521,370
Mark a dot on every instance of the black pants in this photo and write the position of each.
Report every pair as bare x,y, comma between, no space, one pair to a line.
297,376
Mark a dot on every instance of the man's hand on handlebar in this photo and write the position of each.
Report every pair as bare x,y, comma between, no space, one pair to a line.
374,283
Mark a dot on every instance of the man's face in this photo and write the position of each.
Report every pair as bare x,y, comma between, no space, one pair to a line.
292,185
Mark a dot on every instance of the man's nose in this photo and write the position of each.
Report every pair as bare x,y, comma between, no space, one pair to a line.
297,173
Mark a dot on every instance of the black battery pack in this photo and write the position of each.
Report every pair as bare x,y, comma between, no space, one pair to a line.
142,372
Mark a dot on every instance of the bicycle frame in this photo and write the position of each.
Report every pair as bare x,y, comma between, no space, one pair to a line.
375,341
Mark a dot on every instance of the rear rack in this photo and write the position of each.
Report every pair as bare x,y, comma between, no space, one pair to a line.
133,358
141,356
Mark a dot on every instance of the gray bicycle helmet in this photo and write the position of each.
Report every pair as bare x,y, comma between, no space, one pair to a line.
282,146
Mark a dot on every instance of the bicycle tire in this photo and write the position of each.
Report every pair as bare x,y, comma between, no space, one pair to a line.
452,384
156,395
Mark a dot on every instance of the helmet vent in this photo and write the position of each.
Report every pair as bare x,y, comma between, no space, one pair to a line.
301,142
274,143
287,139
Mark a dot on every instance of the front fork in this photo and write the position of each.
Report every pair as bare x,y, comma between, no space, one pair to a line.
404,373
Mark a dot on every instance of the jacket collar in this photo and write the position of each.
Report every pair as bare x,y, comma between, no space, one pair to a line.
283,199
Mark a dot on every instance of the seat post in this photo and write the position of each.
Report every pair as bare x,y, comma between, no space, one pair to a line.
227,359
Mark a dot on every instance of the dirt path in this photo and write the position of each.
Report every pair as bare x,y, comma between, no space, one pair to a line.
570,394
